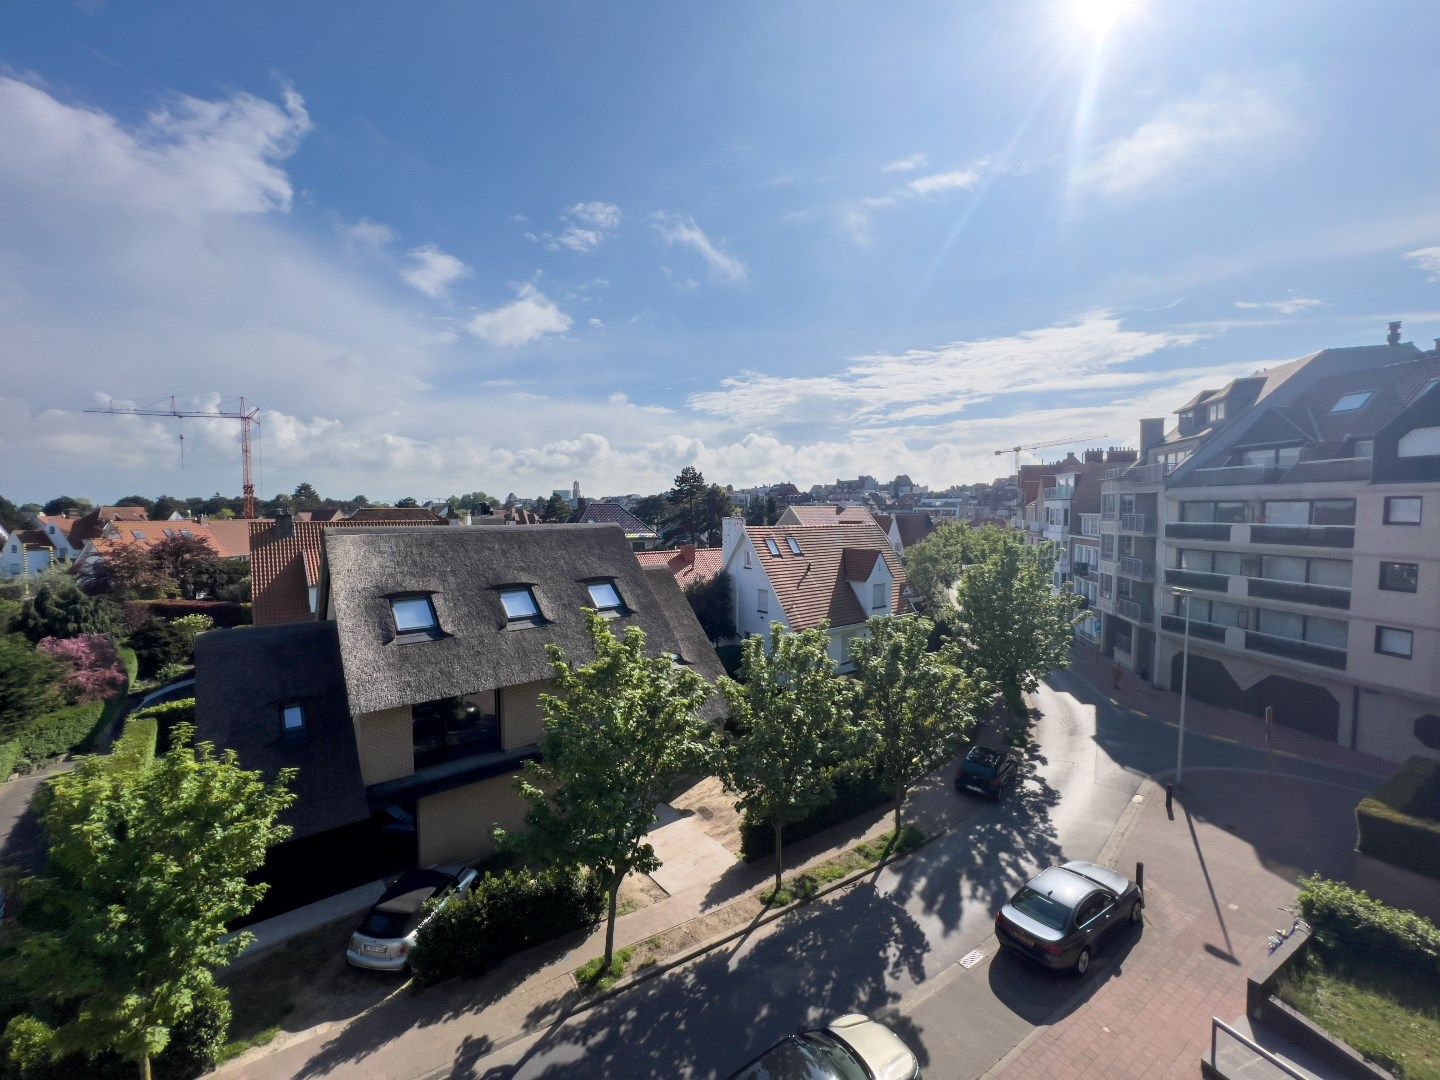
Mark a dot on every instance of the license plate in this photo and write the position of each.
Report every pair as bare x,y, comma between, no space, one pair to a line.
975,785
1025,939
376,950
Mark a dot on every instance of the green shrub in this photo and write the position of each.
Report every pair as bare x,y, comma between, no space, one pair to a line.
196,1042
135,749
59,731
501,915
1347,922
855,793
158,643
166,716
9,758
1400,822
130,660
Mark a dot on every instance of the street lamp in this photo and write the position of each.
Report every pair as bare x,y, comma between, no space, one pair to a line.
1184,680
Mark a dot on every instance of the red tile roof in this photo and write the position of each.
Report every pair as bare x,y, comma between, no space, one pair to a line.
829,515
229,538
690,565
90,525
814,586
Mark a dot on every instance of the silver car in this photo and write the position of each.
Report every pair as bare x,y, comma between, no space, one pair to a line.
387,934
850,1047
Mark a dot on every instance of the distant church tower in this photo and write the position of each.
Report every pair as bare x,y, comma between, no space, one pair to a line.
575,491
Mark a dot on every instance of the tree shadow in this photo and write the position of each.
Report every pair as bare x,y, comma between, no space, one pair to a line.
1039,996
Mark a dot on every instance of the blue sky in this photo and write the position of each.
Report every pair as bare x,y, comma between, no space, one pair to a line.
504,246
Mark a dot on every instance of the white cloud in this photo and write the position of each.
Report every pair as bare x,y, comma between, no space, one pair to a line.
583,228
1290,305
370,233
906,164
938,183
1427,260
528,317
1226,116
598,324
597,215
681,230
433,271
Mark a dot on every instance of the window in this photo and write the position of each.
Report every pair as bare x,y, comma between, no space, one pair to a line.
1362,448
414,615
1213,511
793,545
292,720
1319,512
519,603
604,596
1402,510
1332,633
170,533
1351,402
747,558
1400,576
1107,546
762,601
1279,457
456,727
1391,641
1419,442
1288,512
774,547
1332,512
1216,412
1107,585
879,596
187,532
137,534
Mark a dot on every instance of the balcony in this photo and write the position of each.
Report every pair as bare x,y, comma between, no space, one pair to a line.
1198,530
1109,515
1299,592
1139,474
1310,653
1140,524
1081,569
1197,579
1135,612
1136,569
1235,475
1330,536
1207,631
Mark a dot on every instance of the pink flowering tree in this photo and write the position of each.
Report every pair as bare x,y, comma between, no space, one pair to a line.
95,671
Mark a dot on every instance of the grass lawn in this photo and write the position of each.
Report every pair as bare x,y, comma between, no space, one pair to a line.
1384,1013
860,857
591,976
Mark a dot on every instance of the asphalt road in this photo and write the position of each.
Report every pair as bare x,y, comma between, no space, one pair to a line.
890,947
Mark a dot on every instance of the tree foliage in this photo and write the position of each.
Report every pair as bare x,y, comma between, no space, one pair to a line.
763,512
28,684
934,565
651,509
158,644
696,510
190,562
128,572
60,609
147,868
789,713
68,504
619,732
912,706
714,605
11,516
94,671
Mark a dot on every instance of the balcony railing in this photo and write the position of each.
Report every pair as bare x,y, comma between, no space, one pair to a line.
1138,569
1299,592
1198,530
1235,475
1307,651
1197,579
1109,515
1135,612
1143,524
1081,569
1139,474
1208,631
1331,536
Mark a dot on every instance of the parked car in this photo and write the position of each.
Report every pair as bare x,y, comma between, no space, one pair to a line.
851,1047
1061,917
987,770
386,935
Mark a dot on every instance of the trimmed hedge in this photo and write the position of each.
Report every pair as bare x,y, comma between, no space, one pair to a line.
1347,921
134,751
500,916
9,758
166,716
1400,822
854,794
226,613
60,731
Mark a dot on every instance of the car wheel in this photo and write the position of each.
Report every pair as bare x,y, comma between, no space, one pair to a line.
1082,962
1136,913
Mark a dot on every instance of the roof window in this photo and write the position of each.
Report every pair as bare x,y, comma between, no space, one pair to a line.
520,603
605,597
292,719
137,534
793,545
414,617
170,533
1352,402
774,547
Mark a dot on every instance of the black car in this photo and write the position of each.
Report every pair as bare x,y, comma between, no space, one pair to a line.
986,770
850,1047
1060,918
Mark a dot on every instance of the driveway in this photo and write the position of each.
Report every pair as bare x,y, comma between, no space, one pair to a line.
22,840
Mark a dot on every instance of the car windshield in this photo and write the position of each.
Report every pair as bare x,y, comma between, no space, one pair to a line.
814,1055
984,757
1043,909
396,916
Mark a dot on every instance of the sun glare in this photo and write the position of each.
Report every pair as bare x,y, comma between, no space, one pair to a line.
1100,16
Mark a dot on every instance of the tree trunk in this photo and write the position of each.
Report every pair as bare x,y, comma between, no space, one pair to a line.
779,855
899,802
610,929
144,1067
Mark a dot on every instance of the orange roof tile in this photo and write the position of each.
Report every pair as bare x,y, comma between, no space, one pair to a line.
689,565
814,586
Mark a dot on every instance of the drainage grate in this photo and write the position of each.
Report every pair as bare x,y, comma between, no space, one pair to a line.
970,959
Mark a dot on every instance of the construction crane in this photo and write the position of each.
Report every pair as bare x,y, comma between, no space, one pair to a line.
246,413
1041,445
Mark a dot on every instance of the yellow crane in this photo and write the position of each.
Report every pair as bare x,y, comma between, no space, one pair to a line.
1041,445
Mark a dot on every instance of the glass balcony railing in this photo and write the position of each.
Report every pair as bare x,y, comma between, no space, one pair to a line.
1134,611
1142,524
1309,652
1137,569
1198,530
1332,536
1207,631
1299,592
1197,579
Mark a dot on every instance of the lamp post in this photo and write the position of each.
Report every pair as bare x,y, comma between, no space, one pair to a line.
1184,680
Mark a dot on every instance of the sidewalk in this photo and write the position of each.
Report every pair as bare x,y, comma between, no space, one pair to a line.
1218,879
1163,706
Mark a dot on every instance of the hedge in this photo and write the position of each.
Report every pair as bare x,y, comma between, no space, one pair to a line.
9,758
1349,922
1400,822
500,916
60,731
855,793
226,613
134,751
166,716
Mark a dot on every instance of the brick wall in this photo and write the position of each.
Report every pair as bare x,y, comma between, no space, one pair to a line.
455,826
522,720
386,745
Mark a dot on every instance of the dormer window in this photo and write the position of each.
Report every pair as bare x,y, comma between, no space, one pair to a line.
1352,402
520,604
879,596
605,598
793,545
1216,412
774,547
292,720
414,617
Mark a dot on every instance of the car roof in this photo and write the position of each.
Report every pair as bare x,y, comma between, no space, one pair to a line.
415,881
1063,885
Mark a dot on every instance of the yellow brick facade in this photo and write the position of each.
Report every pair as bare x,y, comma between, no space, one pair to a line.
522,721
386,743
455,826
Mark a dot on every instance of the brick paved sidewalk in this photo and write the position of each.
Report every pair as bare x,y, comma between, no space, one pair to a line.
1218,877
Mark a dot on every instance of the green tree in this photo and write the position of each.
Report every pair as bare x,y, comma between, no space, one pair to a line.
190,562
554,509
406,503
619,732
135,500
685,521
122,934
127,572
714,606
912,706
762,512
164,506
934,565
64,503
60,609
29,684
11,516
789,714
1007,619
651,509
305,497
158,644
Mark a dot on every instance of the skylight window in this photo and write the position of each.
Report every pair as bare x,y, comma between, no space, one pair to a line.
187,532
137,534
1352,402
793,545
170,532
292,720
774,547
519,603
414,615
604,596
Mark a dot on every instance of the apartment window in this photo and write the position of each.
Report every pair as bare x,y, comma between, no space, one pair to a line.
1402,510
1107,585
879,596
1107,546
292,720
519,603
1214,612
793,545
774,547
604,597
747,558
762,601
1400,576
1301,512
1332,572
1362,448
1107,505
414,615
1213,511
1352,402
455,727
1332,633
1280,457
1392,641
1332,512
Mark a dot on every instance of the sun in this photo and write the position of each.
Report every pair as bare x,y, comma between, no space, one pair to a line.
1100,16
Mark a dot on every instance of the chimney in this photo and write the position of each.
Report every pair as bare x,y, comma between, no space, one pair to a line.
1393,337
1437,346
1093,456
687,554
732,535
1152,432
284,524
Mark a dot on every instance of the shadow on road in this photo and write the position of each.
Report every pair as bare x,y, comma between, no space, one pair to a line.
1038,996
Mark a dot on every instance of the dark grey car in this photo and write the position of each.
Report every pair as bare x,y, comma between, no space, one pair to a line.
1062,916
